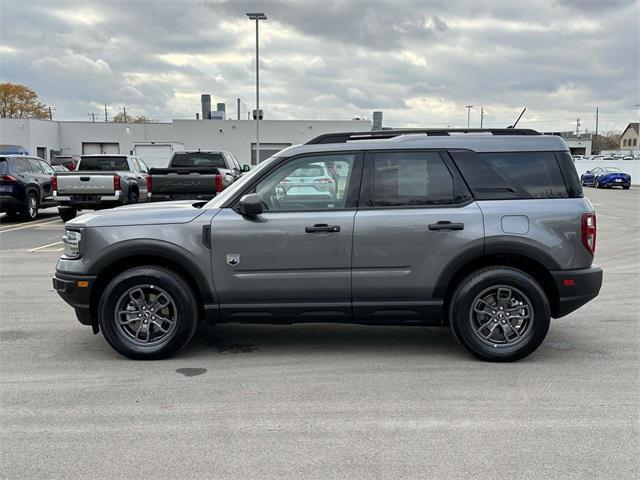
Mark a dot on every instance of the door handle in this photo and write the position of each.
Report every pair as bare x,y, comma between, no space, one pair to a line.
322,227
446,225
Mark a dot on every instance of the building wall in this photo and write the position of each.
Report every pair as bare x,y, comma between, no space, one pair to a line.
629,137
236,136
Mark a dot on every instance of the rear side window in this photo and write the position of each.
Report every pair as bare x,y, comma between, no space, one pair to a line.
35,165
198,160
504,175
404,179
19,165
103,164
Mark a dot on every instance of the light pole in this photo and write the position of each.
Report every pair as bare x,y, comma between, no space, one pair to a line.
257,17
468,107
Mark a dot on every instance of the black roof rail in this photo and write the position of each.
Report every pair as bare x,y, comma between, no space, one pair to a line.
344,137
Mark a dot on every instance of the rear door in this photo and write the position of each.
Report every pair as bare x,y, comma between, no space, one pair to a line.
415,216
45,183
42,181
295,258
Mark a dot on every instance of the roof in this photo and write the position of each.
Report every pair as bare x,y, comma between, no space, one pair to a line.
635,126
477,142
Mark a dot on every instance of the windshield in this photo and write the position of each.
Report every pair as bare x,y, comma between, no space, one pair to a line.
218,200
310,171
103,164
198,159
611,169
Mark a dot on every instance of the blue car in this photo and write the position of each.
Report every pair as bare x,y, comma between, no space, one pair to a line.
606,177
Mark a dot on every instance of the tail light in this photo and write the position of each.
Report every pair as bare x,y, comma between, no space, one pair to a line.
54,183
8,178
116,182
149,183
218,183
323,180
588,229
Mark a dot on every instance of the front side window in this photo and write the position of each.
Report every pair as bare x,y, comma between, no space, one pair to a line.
407,179
46,168
318,182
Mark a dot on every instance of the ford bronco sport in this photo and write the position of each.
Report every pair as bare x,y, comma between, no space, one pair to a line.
485,231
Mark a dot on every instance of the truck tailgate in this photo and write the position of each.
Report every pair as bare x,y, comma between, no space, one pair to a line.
76,183
184,183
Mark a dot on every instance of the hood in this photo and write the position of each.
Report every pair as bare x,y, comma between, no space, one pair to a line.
182,211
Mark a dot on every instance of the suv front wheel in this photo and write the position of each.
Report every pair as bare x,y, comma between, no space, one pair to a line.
500,314
148,313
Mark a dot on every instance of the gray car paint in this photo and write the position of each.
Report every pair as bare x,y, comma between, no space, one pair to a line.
284,270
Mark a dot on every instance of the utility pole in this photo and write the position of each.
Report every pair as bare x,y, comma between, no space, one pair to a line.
93,117
257,17
481,116
238,101
596,121
50,114
468,107
124,109
106,116
577,126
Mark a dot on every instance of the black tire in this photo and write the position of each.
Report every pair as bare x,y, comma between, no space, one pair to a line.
30,209
626,187
462,315
597,185
133,197
184,304
67,214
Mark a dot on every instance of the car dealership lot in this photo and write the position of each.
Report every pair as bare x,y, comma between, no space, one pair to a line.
318,401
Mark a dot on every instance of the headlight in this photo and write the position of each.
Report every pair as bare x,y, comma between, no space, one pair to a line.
71,240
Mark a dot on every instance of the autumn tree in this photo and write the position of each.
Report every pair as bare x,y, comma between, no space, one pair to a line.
18,101
119,118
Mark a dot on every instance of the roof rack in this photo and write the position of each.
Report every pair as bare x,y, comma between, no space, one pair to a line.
344,137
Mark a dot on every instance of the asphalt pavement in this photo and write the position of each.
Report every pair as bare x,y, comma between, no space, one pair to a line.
319,401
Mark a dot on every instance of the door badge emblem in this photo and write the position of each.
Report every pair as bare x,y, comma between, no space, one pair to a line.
233,259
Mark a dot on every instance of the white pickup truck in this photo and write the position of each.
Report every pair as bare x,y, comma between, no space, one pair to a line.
100,181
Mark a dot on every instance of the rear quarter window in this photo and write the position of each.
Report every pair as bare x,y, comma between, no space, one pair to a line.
515,175
19,165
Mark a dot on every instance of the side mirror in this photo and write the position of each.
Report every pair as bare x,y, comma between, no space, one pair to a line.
246,168
250,205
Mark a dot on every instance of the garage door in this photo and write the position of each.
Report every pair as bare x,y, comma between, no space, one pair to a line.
92,148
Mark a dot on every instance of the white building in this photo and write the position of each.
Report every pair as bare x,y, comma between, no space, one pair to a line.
46,138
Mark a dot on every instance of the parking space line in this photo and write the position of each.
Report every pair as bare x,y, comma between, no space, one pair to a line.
33,222
42,248
30,225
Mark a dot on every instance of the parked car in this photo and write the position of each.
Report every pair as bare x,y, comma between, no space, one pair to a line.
66,161
429,229
578,157
606,177
597,157
6,149
608,158
627,157
194,175
25,186
100,181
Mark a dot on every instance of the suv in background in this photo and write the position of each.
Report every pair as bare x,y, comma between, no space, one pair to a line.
25,186
485,231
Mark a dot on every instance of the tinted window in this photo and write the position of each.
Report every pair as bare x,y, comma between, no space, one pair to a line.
408,179
46,168
4,166
104,164
318,182
143,166
198,160
35,165
19,165
505,175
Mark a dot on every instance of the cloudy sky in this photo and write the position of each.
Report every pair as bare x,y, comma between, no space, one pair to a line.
420,62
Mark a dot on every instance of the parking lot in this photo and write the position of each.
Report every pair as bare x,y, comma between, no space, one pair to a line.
319,401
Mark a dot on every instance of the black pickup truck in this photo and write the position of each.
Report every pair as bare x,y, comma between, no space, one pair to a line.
194,175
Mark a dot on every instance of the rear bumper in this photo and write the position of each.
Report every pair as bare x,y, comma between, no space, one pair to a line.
9,203
89,201
72,291
169,197
575,288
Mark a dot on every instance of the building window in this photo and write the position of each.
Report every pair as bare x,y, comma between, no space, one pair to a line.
635,142
624,142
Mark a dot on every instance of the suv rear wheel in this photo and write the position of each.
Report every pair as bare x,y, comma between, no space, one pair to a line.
500,314
148,313
30,210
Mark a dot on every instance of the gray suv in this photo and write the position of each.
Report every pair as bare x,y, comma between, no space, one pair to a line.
485,231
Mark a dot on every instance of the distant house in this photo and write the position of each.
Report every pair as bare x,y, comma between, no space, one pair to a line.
629,139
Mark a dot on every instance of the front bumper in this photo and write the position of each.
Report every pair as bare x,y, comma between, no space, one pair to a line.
76,291
575,288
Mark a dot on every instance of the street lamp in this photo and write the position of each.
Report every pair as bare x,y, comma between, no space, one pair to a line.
257,17
468,107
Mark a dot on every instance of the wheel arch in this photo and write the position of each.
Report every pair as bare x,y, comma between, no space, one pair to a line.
141,254
457,271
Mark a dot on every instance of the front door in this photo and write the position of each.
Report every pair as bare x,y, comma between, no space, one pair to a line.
415,216
295,258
